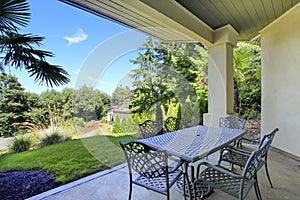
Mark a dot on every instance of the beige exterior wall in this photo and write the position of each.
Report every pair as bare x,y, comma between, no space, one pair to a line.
281,81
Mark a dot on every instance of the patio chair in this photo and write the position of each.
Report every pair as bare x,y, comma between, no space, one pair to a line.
232,183
236,156
232,122
150,128
151,166
172,124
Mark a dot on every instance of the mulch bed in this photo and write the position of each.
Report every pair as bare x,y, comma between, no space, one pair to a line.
17,185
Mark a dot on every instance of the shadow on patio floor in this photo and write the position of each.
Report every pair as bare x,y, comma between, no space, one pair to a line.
113,184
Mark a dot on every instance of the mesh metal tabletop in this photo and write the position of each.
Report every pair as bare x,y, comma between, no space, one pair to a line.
192,144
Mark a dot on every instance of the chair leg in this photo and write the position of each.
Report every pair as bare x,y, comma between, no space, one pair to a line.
130,187
268,175
130,192
257,190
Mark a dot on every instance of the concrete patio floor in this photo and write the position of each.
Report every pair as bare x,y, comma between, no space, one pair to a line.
113,184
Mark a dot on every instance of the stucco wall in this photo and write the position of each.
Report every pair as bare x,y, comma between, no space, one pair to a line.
281,81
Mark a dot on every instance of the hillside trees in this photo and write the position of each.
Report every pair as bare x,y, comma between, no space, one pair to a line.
89,104
119,93
20,110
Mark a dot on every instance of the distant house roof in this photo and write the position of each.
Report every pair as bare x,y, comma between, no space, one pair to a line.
120,107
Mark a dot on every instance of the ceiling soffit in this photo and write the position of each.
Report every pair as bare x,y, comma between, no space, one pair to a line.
189,20
247,17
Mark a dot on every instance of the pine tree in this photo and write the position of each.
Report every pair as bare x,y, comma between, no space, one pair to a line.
13,105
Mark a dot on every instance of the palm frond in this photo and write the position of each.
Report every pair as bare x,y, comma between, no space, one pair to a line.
20,51
12,39
48,74
13,13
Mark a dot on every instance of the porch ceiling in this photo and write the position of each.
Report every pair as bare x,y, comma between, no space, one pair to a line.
247,17
189,20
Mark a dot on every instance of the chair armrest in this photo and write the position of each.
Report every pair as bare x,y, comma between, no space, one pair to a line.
220,169
233,150
239,142
238,151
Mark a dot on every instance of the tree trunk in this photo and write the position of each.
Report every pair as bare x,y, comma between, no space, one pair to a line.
236,105
159,117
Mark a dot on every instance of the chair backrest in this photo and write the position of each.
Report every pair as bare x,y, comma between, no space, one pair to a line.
232,122
145,160
172,124
255,160
267,139
150,128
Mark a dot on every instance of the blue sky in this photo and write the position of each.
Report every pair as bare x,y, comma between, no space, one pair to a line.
75,37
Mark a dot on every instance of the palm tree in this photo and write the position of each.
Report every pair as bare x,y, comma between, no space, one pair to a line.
19,50
247,70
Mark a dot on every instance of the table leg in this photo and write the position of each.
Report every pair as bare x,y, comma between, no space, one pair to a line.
197,191
187,181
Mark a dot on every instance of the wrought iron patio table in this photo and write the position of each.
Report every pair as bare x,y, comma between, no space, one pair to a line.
194,143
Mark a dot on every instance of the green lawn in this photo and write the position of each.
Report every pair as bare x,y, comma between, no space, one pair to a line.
70,160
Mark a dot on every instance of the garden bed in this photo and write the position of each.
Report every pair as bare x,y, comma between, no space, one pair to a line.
25,184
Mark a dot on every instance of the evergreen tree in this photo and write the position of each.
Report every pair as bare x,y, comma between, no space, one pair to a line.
117,125
13,105
150,90
132,126
169,72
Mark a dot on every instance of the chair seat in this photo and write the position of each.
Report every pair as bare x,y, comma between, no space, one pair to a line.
225,182
235,158
158,184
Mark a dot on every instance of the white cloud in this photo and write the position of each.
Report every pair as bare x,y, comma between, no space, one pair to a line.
76,38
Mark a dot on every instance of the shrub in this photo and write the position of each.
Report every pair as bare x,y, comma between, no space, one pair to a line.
79,121
20,143
52,138
117,125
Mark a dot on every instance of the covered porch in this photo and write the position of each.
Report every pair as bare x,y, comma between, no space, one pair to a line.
219,25
113,184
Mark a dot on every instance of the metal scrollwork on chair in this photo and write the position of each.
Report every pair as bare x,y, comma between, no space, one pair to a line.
239,157
232,122
150,128
172,124
152,168
232,183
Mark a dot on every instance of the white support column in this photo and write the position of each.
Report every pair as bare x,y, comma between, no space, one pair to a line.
220,76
